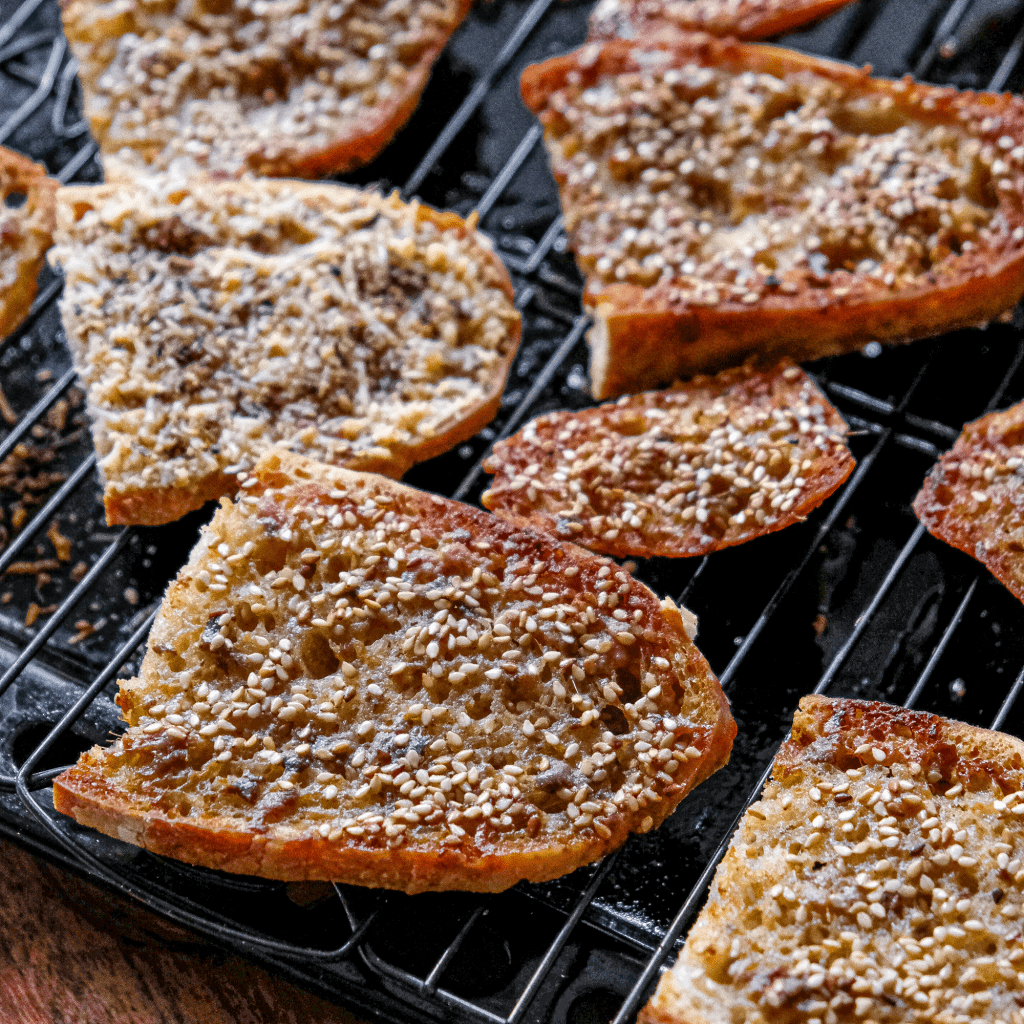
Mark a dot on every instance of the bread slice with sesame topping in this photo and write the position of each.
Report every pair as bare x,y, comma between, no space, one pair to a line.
26,232
707,464
210,323
877,878
725,199
974,496
357,681
293,88
742,19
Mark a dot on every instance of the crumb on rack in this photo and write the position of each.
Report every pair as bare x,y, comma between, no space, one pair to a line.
32,568
9,415
61,544
35,611
85,629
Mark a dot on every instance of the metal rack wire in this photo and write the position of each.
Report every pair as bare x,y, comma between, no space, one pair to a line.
858,601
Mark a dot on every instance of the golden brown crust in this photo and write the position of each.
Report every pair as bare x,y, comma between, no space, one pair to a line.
974,496
159,505
703,466
886,848
26,232
84,794
425,289
806,298
279,790
166,61
742,19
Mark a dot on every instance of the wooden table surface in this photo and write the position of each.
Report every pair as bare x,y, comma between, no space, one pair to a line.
72,954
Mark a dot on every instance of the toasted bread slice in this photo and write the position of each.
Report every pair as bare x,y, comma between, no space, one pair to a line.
358,681
878,878
26,232
974,496
210,323
742,19
302,89
707,464
726,198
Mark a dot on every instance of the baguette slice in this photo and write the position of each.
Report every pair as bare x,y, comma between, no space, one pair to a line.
357,681
974,496
26,232
303,88
707,464
208,324
876,879
742,19
725,199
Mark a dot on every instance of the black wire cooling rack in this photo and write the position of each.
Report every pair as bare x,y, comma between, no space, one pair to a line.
858,601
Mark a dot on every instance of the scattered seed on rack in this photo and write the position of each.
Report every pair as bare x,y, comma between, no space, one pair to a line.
9,415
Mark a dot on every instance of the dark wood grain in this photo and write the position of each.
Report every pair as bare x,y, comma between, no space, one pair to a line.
72,954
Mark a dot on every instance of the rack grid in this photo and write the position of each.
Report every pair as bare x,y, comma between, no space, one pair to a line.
858,601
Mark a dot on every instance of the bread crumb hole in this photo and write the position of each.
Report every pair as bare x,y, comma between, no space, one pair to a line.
317,656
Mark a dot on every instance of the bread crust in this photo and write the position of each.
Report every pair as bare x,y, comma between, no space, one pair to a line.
352,142
747,19
300,855
127,502
653,477
828,731
982,515
647,335
957,774
26,232
102,793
